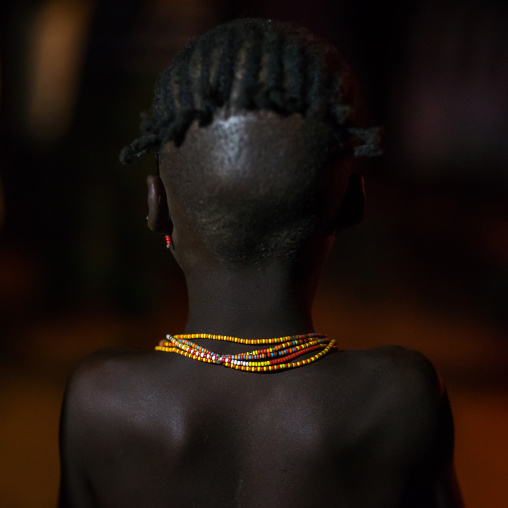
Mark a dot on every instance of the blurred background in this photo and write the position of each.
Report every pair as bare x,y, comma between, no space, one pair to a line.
79,270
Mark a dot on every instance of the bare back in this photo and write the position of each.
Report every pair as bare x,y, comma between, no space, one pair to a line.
355,429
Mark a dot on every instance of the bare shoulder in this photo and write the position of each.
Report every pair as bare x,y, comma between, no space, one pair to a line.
108,423
109,389
103,383
399,372
79,425
408,372
409,393
95,374
410,416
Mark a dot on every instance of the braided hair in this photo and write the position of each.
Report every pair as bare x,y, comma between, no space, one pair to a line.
253,65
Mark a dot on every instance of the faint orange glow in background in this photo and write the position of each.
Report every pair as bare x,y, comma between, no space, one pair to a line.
57,46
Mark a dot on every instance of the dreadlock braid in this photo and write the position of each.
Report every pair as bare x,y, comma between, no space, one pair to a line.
248,65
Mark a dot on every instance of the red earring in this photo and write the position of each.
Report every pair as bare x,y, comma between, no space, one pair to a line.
168,241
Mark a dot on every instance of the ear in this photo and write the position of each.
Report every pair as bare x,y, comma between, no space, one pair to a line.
352,206
158,213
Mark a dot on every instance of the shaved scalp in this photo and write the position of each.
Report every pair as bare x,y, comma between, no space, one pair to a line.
254,186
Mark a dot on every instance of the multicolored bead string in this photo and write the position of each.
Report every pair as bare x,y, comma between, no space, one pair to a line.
279,356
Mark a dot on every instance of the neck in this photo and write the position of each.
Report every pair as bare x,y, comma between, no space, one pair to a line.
249,302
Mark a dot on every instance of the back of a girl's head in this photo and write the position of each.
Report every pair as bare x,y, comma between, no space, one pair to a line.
244,68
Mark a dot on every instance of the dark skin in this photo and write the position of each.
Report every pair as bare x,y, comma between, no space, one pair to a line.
354,429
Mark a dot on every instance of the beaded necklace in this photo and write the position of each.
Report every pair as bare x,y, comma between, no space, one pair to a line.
279,356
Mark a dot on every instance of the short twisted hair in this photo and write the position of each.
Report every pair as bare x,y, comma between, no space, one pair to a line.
252,65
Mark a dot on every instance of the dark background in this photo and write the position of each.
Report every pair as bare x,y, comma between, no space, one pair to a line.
79,270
